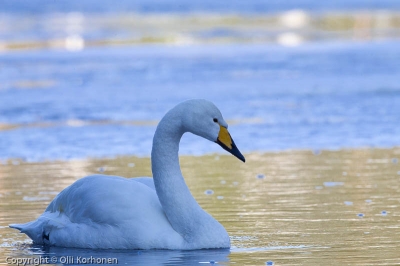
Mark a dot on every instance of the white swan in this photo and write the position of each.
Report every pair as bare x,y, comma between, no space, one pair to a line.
106,212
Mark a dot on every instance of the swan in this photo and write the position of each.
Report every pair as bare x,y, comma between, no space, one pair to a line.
111,212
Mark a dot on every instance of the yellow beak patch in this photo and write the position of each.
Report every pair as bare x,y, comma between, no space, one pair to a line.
225,137
227,143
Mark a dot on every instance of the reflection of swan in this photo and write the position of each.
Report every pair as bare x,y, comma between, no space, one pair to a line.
113,212
74,256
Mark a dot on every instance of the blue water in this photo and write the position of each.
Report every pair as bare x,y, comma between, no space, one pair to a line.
70,256
104,100
183,6
316,96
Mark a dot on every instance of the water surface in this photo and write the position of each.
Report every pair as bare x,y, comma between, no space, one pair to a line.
182,6
292,208
309,88
106,102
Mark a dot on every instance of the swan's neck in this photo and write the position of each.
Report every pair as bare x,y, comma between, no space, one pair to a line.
180,207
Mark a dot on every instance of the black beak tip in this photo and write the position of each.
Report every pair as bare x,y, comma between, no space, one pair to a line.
234,150
238,155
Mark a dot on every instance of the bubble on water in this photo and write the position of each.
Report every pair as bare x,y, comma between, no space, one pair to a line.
216,158
270,262
395,160
101,169
319,187
333,184
398,172
361,215
220,197
131,165
235,183
368,200
348,203
344,173
209,192
223,182
384,213
260,176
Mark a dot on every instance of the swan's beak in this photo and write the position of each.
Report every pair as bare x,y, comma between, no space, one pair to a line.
226,142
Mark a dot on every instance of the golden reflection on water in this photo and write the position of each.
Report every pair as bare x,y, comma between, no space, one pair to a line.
294,207
76,31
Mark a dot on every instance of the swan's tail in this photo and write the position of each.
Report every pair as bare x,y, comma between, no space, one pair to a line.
41,230
34,229
17,226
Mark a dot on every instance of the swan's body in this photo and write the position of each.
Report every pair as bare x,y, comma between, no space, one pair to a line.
102,211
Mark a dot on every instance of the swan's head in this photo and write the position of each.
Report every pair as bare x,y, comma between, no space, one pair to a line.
204,119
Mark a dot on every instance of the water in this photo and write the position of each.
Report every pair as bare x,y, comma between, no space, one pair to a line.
106,102
281,218
192,6
309,88
93,84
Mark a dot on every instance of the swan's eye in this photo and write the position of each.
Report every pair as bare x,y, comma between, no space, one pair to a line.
215,120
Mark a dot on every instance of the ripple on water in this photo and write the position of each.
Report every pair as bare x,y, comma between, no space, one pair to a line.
253,249
26,198
333,184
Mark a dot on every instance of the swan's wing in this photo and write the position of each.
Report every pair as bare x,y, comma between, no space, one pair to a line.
104,212
106,199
